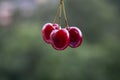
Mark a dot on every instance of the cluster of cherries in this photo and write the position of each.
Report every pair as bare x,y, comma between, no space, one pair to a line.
61,38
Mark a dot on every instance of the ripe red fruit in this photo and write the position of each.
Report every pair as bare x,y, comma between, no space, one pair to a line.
60,39
47,29
75,37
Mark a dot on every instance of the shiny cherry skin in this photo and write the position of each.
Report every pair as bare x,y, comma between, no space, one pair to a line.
46,31
60,39
75,37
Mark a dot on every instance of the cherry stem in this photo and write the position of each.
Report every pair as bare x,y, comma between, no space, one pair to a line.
60,14
64,12
57,14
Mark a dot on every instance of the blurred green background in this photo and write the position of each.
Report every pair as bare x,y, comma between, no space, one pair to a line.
25,56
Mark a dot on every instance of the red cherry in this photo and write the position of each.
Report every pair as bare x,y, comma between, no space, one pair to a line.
75,37
47,29
60,39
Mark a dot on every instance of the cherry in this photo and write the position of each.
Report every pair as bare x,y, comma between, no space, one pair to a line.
47,29
75,37
60,39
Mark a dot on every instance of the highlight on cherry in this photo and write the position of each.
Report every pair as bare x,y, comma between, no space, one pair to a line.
61,38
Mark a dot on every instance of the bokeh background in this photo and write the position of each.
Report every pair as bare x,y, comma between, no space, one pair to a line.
25,56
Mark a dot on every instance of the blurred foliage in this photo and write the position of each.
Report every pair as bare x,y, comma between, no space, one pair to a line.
25,56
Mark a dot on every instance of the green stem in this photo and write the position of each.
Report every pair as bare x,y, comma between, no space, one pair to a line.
57,14
60,14
65,16
61,9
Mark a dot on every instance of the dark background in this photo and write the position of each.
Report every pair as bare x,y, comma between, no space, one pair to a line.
25,56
